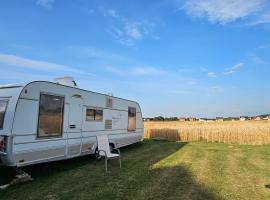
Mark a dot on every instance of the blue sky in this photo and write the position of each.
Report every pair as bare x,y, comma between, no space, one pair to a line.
202,58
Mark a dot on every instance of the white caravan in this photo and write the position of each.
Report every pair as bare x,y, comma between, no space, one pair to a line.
44,121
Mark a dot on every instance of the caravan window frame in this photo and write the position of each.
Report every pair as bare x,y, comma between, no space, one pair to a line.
94,116
133,129
5,110
63,116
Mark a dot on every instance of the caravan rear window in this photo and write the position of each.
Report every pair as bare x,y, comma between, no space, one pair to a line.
3,106
51,111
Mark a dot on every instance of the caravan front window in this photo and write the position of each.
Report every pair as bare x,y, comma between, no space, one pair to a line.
3,105
51,110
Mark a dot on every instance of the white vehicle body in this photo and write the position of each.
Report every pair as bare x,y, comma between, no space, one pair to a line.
44,121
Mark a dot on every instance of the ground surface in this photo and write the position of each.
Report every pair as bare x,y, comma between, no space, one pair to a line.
153,170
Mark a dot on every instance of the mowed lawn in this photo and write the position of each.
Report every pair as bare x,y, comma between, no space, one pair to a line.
153,170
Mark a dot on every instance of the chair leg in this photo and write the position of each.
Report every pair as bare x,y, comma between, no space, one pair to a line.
120,163
106,164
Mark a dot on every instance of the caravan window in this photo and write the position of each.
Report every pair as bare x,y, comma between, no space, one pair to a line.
51,110
3,105
94,114
131,119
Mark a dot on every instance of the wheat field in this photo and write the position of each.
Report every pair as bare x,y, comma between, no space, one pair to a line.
230,132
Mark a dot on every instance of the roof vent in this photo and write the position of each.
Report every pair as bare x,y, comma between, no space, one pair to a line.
68,81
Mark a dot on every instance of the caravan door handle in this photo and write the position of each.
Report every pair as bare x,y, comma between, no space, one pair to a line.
72,126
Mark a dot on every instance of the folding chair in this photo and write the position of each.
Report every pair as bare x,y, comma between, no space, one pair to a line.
104,150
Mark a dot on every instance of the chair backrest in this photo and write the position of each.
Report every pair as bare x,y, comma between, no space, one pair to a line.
103,144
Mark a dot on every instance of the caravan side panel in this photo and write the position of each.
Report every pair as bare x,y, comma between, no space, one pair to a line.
75,140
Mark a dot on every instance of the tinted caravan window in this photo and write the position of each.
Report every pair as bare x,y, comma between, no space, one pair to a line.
98,115
50,120
3,106
94,114
131,119
90,114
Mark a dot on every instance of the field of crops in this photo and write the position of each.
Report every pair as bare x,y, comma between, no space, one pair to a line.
230,132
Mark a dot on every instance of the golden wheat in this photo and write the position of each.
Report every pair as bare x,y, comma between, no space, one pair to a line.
232,132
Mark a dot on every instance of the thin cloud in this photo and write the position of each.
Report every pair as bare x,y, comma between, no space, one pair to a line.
212,74
229,72
257,60
184,70
128,32
216,88
10,75
112,13
91,52
179,91
203,69
264,46
263,18
115,71
21,46
224,11
136,71
27,63
45,3
120,36
147,71
91,11
237,66
233,69
192,82
133,31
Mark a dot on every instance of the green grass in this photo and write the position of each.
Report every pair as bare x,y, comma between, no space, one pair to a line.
153,170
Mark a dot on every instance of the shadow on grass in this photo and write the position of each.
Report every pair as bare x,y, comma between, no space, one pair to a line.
44,169
51,168
136,180
6,174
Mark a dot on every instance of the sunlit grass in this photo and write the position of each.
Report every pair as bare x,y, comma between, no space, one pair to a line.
154,170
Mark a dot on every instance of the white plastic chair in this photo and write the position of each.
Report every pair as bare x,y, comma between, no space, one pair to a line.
104,150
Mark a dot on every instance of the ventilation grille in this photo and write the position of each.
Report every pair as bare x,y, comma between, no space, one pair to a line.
108,124
109,103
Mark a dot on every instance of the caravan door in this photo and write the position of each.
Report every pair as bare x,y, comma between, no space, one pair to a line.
74,133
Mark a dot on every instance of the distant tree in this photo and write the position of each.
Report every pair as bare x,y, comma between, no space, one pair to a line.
159,118
171,119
